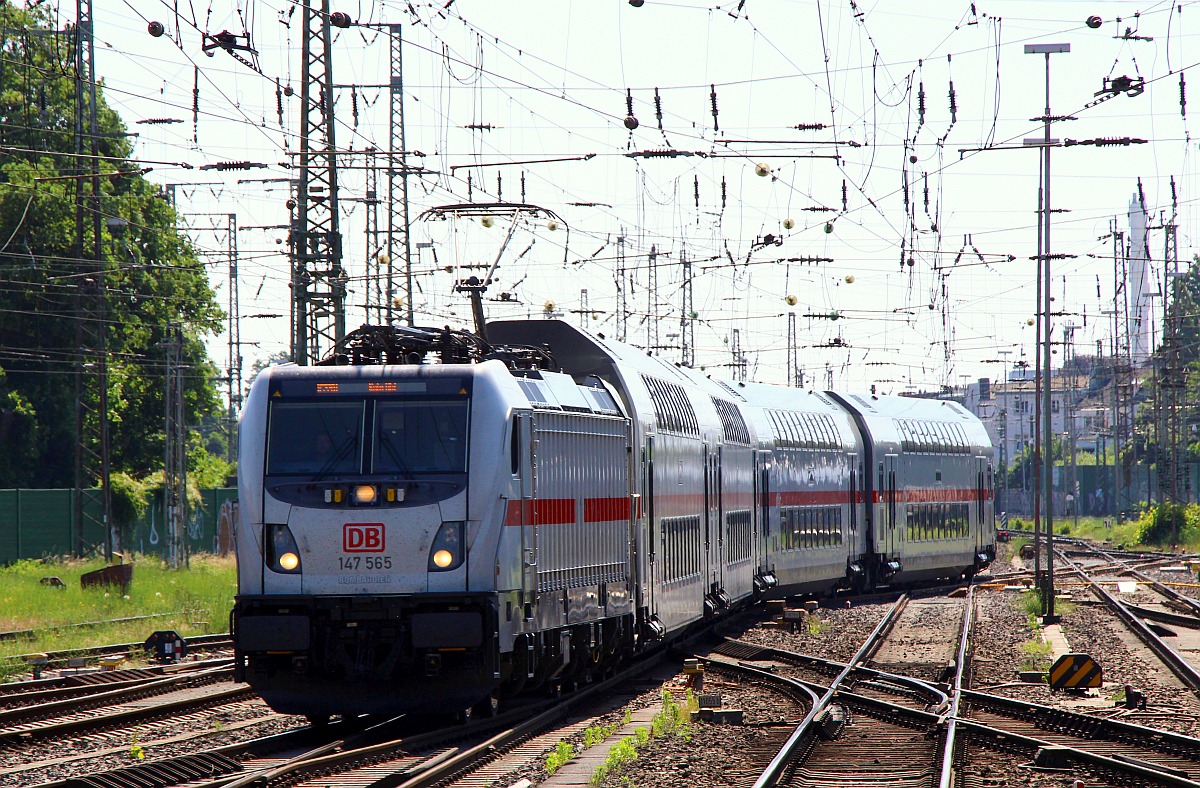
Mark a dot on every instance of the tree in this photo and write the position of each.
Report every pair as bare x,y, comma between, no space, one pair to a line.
142,276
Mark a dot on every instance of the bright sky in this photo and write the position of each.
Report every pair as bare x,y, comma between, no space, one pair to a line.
550,78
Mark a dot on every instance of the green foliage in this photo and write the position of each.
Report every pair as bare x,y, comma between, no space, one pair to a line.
1169,524
598,733
19,434
619,757
140,276
673,719
1030,603
1037,654
130,499
563,752
815,625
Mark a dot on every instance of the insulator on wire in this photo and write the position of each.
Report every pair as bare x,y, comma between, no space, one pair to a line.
522,185
657,108
196,105
354,106
925,179
470,187
631,122
722,192
921,103
1182,96
953,105
696,189
279,101
844,196
712,96
499,187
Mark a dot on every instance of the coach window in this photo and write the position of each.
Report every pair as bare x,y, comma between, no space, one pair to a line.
514,447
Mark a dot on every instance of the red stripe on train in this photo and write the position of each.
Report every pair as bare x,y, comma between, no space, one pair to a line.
560,511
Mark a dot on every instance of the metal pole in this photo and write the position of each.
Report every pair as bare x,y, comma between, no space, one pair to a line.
1038,384
1047,435
1048,385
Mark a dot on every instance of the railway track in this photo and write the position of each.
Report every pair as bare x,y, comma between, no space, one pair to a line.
946,735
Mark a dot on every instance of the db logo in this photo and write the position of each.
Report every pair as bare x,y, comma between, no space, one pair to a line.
362,537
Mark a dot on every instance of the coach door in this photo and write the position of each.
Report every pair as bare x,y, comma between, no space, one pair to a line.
762,510
850,526
527,447
647,566
714,539
979,516
890,526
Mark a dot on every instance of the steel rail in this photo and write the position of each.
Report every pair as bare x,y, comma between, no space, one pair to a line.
1167,591
1184,670
987,735
60,657
939,700
440,766
775,770
317,740
91,684
960,668
1117,731
30,715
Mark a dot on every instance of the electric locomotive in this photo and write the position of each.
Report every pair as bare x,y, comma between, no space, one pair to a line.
543,502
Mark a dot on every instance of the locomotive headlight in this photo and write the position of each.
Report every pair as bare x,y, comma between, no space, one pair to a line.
364,494
281,554
447,551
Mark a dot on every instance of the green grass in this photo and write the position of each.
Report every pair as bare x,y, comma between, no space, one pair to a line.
562,753
196,601
1094,529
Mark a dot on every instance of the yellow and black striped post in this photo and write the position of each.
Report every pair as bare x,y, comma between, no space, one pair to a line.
1075,671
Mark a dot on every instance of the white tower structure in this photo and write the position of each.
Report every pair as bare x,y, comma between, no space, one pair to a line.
1141,307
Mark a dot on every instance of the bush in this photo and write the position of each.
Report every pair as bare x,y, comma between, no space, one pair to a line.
1167,523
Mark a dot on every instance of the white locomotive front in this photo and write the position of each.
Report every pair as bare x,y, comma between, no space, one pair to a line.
358,495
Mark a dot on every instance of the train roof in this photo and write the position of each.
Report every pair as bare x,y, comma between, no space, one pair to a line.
916,423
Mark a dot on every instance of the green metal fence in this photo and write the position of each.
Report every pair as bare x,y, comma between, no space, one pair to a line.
38,523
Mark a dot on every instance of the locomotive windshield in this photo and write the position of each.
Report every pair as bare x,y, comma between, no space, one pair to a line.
315,438
407,436
420,437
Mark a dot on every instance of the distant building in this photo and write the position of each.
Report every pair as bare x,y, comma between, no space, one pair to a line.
1080,405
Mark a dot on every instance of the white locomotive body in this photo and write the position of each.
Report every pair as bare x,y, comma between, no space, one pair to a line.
424,537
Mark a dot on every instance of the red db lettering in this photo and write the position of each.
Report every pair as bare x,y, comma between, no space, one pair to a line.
362,538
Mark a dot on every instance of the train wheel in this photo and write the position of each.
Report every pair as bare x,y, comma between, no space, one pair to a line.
317,720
